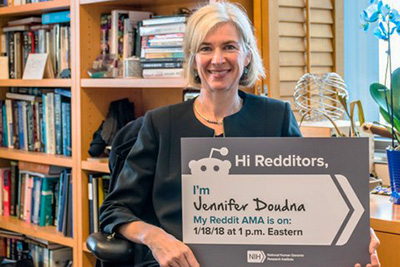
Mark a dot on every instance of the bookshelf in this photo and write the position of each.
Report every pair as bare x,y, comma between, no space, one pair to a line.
90,99
48,233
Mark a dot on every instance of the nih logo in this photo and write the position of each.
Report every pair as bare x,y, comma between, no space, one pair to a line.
255,256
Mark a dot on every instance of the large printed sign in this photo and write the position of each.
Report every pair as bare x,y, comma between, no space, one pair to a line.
276,201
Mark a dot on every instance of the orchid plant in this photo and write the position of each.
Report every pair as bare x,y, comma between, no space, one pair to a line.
388,22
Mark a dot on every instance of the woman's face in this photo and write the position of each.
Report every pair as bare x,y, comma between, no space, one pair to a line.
221,59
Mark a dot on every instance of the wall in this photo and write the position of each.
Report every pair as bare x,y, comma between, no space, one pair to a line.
361,58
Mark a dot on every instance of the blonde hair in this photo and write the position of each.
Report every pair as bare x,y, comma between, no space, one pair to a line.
209,17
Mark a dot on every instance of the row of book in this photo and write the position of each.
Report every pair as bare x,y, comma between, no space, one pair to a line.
29,251
48,34
37,122
157,41
37,193
98,189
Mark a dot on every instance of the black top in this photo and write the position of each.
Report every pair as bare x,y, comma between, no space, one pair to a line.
149,185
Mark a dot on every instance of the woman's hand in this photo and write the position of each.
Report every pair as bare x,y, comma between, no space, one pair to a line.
169,251
373,245
166,249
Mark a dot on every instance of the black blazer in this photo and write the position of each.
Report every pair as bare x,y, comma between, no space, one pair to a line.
149,185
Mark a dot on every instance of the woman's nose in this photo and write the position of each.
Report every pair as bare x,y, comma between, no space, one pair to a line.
218,57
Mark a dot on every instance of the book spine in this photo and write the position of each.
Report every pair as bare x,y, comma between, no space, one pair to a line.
5,127
9,123
25,125
14,188
36,199
16,123
28,198
11,58
46,201
51,137
162,65
30,128
26,48
162,73
44,123
20,126
164,29
22,195
165,20
58,123
104,27
6,192
18,55
1,125
56,17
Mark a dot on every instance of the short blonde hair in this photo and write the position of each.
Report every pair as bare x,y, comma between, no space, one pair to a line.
206,19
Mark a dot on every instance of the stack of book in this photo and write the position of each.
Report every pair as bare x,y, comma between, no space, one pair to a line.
16,247
161,46
49,34
40,122
37,193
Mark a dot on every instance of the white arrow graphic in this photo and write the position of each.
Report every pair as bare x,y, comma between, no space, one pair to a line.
358,210
257,209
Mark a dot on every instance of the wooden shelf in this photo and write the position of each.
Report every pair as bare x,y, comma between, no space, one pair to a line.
36,157
49,233
134,83
36,83
95,166
35,8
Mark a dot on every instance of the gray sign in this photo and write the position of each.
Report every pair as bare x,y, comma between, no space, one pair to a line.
276,201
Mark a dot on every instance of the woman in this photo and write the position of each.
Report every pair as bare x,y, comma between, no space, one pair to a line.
221,54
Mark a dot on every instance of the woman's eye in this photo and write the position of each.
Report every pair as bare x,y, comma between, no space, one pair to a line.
205,49
230,47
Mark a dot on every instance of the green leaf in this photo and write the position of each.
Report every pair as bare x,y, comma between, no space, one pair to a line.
377,91
386,116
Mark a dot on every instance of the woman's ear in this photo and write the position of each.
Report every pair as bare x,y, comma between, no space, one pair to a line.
247,59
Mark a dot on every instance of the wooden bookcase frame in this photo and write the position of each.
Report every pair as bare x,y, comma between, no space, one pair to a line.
90,99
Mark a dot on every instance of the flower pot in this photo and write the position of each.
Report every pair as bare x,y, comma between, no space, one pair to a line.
393,157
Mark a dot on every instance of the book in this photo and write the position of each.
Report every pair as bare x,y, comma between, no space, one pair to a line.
5,175
163,29
162,73
19,28
24,21
13,188
17,96
162,65
56,17
159,20
42,168
47,205
28,197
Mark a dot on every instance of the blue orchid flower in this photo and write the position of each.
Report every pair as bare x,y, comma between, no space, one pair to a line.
388,18
394,16
380,32
371,14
